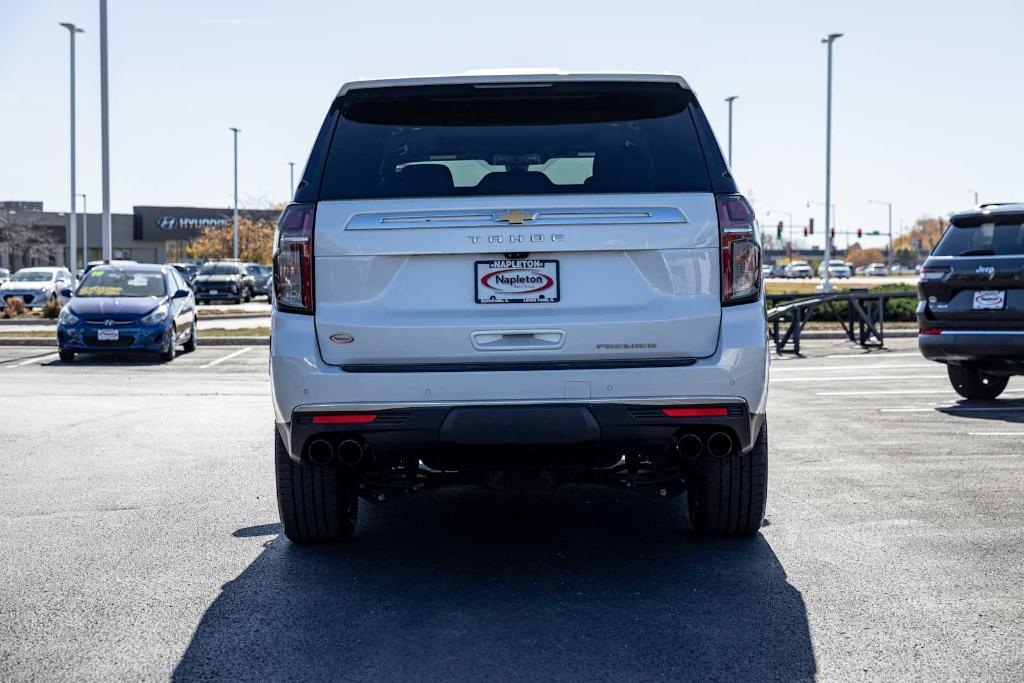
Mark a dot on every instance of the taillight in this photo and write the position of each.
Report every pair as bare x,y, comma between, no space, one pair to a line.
931,274
741,254
293,259
929,330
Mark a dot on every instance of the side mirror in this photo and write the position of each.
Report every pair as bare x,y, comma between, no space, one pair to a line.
180,294
66,293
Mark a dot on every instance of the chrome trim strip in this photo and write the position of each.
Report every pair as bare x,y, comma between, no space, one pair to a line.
476,218
641,401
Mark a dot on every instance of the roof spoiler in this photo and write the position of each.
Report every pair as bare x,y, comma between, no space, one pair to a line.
974,219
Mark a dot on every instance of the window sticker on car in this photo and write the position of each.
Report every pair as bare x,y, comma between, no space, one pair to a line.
97,290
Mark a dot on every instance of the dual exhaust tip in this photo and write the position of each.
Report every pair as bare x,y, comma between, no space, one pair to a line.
349,452
690,446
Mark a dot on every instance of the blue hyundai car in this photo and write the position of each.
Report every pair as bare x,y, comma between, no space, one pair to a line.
128,308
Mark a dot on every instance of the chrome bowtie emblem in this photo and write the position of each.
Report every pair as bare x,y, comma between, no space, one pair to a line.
516,217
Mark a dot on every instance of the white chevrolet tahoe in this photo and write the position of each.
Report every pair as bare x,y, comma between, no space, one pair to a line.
519,282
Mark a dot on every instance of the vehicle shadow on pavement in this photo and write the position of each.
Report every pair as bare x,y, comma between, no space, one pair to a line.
1008,411
582,583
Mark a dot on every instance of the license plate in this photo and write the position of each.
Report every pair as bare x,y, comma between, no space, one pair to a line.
214,291
508,281
989,300
108,335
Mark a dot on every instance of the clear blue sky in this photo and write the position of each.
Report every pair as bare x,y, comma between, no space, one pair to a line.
928,99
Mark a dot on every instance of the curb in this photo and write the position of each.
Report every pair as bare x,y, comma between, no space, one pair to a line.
211,341
53,321
894,334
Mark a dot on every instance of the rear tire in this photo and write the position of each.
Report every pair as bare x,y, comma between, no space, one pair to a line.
66,356
316,504
727,496
974,384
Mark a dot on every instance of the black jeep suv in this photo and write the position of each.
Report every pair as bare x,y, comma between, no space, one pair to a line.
224,281
971,310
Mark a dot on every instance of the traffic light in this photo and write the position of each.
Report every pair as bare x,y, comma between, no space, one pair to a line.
833,232
812,226
860,231
779,229
805,232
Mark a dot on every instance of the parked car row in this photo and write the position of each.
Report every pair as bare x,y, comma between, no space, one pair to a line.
837,270
229,281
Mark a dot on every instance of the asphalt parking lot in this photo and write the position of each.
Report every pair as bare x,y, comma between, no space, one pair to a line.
140,540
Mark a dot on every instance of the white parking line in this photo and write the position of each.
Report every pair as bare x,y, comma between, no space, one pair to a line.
36,359
874,356
823,368
861,378
954,409
995,433
220,360
896,392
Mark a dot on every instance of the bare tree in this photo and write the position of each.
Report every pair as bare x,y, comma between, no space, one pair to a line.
25,237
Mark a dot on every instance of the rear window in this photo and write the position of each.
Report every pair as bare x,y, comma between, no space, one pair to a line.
986,239
564,138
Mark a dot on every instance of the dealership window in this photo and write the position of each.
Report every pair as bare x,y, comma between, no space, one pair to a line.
175,251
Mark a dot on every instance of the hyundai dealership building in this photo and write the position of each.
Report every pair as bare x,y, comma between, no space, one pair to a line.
150,234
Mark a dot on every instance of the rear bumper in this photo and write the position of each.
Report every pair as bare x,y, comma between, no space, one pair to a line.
994,348
736,374
480,436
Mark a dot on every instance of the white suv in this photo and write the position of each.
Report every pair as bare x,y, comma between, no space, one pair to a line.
518,281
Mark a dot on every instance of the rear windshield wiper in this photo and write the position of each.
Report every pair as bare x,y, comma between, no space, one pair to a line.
977,252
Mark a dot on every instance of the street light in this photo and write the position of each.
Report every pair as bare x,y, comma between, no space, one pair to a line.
85,231
888,204
235,132
72,218
730,100
291,180
108,246
826,285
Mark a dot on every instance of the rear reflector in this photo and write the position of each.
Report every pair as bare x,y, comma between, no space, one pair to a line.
343,419
929,330
695,412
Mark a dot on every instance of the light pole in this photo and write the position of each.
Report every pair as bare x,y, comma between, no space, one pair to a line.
826,285
975,193
108,246
730,100
235,132
291,180
72,217
85,231
888,204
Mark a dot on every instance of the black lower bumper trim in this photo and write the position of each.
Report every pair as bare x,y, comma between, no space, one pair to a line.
569,434
519,365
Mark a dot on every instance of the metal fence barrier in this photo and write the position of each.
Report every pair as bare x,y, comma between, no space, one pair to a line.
864,322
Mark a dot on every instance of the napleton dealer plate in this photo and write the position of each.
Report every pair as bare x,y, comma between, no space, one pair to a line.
509,281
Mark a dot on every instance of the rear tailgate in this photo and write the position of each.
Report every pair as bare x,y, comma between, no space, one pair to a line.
619,278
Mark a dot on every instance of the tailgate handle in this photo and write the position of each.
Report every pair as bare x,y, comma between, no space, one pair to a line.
517,340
